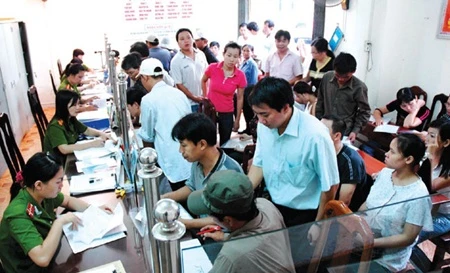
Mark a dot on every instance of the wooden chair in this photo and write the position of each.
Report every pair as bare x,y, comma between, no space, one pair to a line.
438,99
38,113
349,227
8,145
206,107
60,69
420,93
55,90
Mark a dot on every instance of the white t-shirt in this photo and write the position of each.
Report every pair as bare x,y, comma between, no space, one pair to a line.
386,220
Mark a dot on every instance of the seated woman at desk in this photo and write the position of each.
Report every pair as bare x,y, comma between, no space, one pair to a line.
437,169
412,111
304,95
30,233
396,227
64,128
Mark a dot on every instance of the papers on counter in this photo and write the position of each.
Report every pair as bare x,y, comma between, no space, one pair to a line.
238,143
386,120
96,152
386,128
116,266
98,228
194,258
88,183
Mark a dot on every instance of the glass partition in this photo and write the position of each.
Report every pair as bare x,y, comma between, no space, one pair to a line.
341,243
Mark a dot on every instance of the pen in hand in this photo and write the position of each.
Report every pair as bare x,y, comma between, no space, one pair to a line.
208,230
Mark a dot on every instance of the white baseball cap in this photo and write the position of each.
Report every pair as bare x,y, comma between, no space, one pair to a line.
149,65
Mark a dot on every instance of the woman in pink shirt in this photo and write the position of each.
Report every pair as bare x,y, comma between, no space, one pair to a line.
224,79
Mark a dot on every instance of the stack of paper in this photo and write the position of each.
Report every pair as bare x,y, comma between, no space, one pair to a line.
108,149
386,128
88,183
98,228
194,258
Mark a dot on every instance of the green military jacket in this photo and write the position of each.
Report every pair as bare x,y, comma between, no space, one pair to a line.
25,225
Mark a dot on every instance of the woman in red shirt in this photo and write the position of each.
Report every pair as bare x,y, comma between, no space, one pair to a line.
224,79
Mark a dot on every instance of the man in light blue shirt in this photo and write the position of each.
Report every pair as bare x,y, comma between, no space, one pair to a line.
294,154
161,108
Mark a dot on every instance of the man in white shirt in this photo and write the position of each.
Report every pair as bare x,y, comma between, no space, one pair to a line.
284,63
161,109
187,68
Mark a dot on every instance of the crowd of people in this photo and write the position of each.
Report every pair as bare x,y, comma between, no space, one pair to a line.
300,158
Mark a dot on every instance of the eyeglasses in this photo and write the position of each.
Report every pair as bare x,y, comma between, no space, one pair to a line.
343,77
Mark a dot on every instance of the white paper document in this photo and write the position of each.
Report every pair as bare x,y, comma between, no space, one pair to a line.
108,149
194,258
93,115
94,165
385,119
98,227
88,183
237,143
386,128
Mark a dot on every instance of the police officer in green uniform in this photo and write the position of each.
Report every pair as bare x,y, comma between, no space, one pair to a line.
64,128
30,233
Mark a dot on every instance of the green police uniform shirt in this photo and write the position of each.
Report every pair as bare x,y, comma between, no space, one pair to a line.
57,134
65,85
25,225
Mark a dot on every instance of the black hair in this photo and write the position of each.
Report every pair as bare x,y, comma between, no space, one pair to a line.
62,100
338,125
269,23
232,45
321,45
73,69
140,47
242,25
116,53
282,33
132,60
411,145
252,26
275,92
444,134
182,30
249,47
302,87
195,127
245,216
135,93
40,167
214,43
77,52
344,63
405,95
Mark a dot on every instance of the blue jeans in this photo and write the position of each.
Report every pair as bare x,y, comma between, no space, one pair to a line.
441,225
194,108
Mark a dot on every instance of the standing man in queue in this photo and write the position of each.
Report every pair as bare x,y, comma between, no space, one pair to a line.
294,154
161,109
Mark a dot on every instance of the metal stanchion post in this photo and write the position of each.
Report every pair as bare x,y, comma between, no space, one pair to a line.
150,176
168,231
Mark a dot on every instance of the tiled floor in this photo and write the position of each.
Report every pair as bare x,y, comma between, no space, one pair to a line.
31,144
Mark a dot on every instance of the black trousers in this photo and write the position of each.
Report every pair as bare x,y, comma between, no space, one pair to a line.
226,122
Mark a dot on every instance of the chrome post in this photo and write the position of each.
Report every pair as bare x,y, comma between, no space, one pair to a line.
150,176
168,231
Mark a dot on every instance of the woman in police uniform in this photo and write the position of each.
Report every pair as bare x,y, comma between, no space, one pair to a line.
64,128
30,233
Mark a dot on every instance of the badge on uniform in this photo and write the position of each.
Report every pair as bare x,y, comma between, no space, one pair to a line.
30,210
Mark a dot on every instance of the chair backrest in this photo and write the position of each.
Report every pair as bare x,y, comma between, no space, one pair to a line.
60,69
53,82
38,114
8,145
206,107
439,98
349,227
419,92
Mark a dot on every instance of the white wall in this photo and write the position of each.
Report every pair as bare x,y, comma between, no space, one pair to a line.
405,52
56,27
